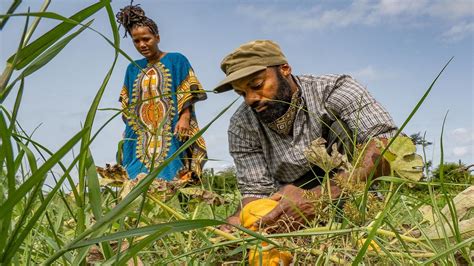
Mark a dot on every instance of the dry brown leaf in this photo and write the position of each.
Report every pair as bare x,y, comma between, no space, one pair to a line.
463,202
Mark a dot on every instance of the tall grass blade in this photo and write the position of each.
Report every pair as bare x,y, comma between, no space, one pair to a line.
449,250
378,222
42,60
176,226
136,191
16,106
6,150
52,15
10,10
35,22
31,51
27,209
8,71
93,187
41,209
95,104
38,176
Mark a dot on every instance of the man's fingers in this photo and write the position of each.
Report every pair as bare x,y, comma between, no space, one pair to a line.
276,196
272,216
226,228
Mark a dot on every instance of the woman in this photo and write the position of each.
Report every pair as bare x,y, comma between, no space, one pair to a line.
158,99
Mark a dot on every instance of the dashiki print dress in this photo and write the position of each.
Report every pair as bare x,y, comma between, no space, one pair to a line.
152,99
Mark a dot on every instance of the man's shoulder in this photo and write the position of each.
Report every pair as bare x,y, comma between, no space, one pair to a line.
327,78
320,85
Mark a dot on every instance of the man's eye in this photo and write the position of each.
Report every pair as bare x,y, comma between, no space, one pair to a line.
256,85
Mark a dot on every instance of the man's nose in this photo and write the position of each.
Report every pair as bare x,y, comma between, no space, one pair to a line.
252,99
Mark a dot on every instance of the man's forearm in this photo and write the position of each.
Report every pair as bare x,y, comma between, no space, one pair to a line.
334,189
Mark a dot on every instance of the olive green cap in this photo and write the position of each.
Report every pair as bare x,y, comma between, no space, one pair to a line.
249,58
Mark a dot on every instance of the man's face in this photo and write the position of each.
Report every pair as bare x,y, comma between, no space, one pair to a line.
146,42
267,92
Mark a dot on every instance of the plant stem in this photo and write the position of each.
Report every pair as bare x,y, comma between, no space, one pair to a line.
179,216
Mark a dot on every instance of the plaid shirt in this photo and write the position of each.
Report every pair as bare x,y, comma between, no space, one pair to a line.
266,160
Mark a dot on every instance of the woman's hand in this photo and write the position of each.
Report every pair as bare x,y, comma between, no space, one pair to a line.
182,127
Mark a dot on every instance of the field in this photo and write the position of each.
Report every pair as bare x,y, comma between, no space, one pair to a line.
106,218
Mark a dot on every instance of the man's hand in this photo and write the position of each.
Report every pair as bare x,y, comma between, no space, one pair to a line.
292,203
233,220
367,164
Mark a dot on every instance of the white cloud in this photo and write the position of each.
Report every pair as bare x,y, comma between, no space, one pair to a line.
460,151
462,135
459,32
455,14
462,140
401,7
452,10
366,74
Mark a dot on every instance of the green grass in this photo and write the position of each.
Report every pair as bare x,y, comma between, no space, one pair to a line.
177,226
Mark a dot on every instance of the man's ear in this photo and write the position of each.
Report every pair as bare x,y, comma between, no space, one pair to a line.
285,70
158,38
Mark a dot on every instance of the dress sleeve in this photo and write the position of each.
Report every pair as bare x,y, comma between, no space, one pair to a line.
189,89
252,174
353,104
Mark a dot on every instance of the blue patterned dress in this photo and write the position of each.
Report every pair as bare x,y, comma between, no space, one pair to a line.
152,98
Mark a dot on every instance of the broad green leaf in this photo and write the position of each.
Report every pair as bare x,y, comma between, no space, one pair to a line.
402,146
409,167
403,160
31,51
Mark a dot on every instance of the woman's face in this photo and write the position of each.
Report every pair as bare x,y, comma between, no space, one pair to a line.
146,42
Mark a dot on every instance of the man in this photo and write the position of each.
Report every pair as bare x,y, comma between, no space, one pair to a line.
282,115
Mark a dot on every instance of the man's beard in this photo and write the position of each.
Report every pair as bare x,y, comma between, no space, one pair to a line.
277,106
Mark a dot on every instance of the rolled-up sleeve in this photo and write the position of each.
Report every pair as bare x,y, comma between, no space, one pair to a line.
252,173
353,104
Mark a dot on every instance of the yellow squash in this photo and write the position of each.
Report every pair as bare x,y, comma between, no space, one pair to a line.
255,210
272,257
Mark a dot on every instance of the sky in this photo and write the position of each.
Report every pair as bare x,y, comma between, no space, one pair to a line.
394,48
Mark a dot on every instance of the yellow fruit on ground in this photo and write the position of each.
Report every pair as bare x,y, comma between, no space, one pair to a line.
271,257
372,246
255,210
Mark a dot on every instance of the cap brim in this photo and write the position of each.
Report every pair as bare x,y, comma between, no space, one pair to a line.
225,85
